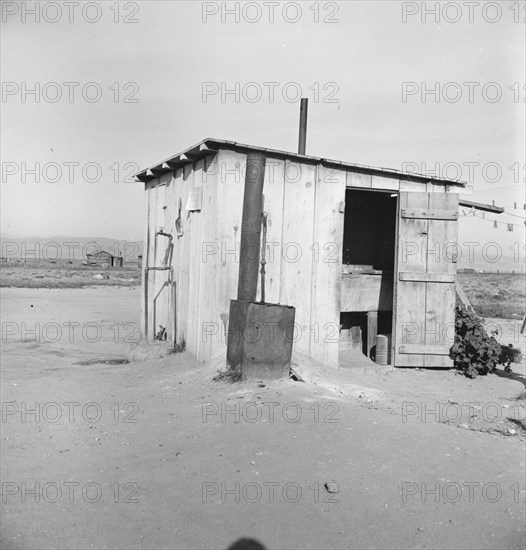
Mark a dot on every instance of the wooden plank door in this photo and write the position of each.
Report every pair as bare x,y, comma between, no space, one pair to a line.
424,279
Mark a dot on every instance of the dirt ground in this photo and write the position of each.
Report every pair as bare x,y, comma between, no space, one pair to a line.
155,454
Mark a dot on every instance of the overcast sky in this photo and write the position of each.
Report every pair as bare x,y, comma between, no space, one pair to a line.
354,65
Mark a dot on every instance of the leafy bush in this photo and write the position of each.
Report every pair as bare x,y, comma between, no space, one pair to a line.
476,352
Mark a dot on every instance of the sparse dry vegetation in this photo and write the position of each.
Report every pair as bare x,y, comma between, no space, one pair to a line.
231,375
63,274
495,295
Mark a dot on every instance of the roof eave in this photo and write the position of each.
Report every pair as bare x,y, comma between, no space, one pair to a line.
210,146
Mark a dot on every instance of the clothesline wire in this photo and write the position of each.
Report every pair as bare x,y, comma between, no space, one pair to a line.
514,215
482,217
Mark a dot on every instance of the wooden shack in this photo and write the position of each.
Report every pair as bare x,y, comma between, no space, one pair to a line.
104,259
347,246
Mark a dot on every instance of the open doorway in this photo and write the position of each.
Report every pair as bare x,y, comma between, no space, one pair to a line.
368,263
369,230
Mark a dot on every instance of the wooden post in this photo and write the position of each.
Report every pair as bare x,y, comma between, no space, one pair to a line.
356,339
251,228
372,330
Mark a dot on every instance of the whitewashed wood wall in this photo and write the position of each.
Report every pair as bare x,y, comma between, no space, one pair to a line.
305,205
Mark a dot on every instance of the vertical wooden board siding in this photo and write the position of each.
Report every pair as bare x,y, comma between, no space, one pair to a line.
440,297
198,309
297,252
210,326
185,252
153,259
384,182
148,255
145,282
230,188
178,184
157,277
273,205
152,207
412,186
357,179
161,291
396,270
190,253
214,259
327,266
194,266
435,188
169,227
410,296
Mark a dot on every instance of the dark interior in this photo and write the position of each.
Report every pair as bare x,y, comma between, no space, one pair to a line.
359,319
369,244
369,229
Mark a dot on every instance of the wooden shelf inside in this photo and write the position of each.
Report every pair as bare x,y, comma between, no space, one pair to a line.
367,290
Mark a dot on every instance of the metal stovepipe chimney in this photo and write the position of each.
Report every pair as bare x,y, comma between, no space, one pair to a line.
251,228
303,126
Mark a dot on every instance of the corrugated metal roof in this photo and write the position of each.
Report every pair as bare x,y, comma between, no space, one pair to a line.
210,146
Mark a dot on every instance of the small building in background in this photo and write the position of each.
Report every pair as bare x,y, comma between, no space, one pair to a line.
104,259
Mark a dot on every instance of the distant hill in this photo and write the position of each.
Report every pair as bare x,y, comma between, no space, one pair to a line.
66,248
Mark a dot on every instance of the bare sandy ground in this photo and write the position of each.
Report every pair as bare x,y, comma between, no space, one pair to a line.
156,455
